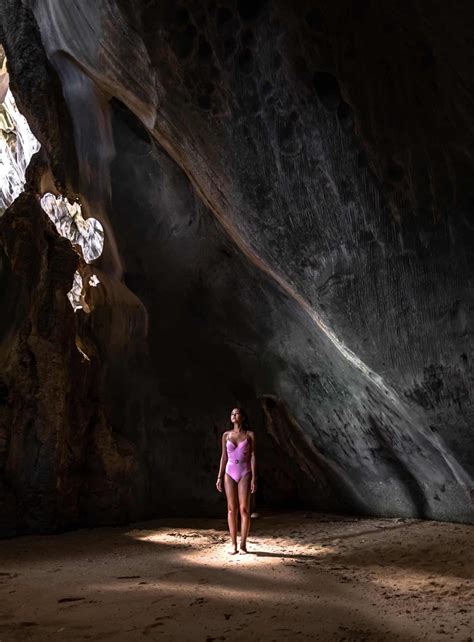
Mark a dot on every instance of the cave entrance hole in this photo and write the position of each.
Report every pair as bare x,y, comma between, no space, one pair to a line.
17,142
86,234
17,146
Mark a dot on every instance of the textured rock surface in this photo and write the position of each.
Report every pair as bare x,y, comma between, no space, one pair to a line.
60,464
288,217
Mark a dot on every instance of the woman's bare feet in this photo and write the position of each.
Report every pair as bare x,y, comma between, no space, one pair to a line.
243,549
234,550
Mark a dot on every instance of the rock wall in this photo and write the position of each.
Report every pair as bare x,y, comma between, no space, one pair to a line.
60,464
286,192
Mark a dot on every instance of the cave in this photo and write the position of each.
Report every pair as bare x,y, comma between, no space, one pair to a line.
262,205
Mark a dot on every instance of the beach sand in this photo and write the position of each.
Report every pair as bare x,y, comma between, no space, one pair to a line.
307,576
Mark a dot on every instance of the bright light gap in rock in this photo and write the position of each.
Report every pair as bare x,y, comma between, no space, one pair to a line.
17,146
17,143
87,234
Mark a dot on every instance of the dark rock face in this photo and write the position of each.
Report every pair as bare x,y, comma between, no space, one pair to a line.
287,198
60,464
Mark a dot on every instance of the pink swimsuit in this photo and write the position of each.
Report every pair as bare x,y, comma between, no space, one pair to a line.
238,460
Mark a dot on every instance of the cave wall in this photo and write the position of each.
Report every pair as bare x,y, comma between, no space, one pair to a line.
288,199
205,341
60,463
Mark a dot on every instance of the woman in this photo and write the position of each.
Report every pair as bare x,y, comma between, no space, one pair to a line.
239,463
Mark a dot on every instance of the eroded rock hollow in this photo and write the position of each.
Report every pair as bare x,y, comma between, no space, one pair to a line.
286,196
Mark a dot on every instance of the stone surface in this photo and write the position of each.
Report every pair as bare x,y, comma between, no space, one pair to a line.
286,194
60,464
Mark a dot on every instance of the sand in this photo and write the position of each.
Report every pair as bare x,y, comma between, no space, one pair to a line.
307,576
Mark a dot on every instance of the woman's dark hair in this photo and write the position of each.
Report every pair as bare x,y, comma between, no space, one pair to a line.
245,419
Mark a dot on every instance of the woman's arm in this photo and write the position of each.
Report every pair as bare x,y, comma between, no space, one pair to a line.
253,464
222,464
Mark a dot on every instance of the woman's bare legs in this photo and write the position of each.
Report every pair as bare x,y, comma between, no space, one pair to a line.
232,509
244,506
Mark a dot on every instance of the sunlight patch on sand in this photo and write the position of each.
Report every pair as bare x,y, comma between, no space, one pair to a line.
242,587
211,548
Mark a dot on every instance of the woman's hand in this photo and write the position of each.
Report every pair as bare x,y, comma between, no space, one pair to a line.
219,484
253,485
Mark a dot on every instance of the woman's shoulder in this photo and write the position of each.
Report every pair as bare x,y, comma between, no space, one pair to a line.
251,434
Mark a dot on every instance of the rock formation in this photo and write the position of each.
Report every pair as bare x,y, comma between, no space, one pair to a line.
286,195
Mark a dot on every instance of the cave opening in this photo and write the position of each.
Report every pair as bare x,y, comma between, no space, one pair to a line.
17,146
86,235
17,143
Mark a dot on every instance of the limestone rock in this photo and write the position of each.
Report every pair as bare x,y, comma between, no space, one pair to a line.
286,195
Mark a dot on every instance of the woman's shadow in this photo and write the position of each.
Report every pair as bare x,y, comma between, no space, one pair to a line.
294,556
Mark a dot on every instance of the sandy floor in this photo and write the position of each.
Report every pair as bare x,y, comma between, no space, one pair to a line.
308,576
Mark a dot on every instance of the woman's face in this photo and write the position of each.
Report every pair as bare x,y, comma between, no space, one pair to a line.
235,416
